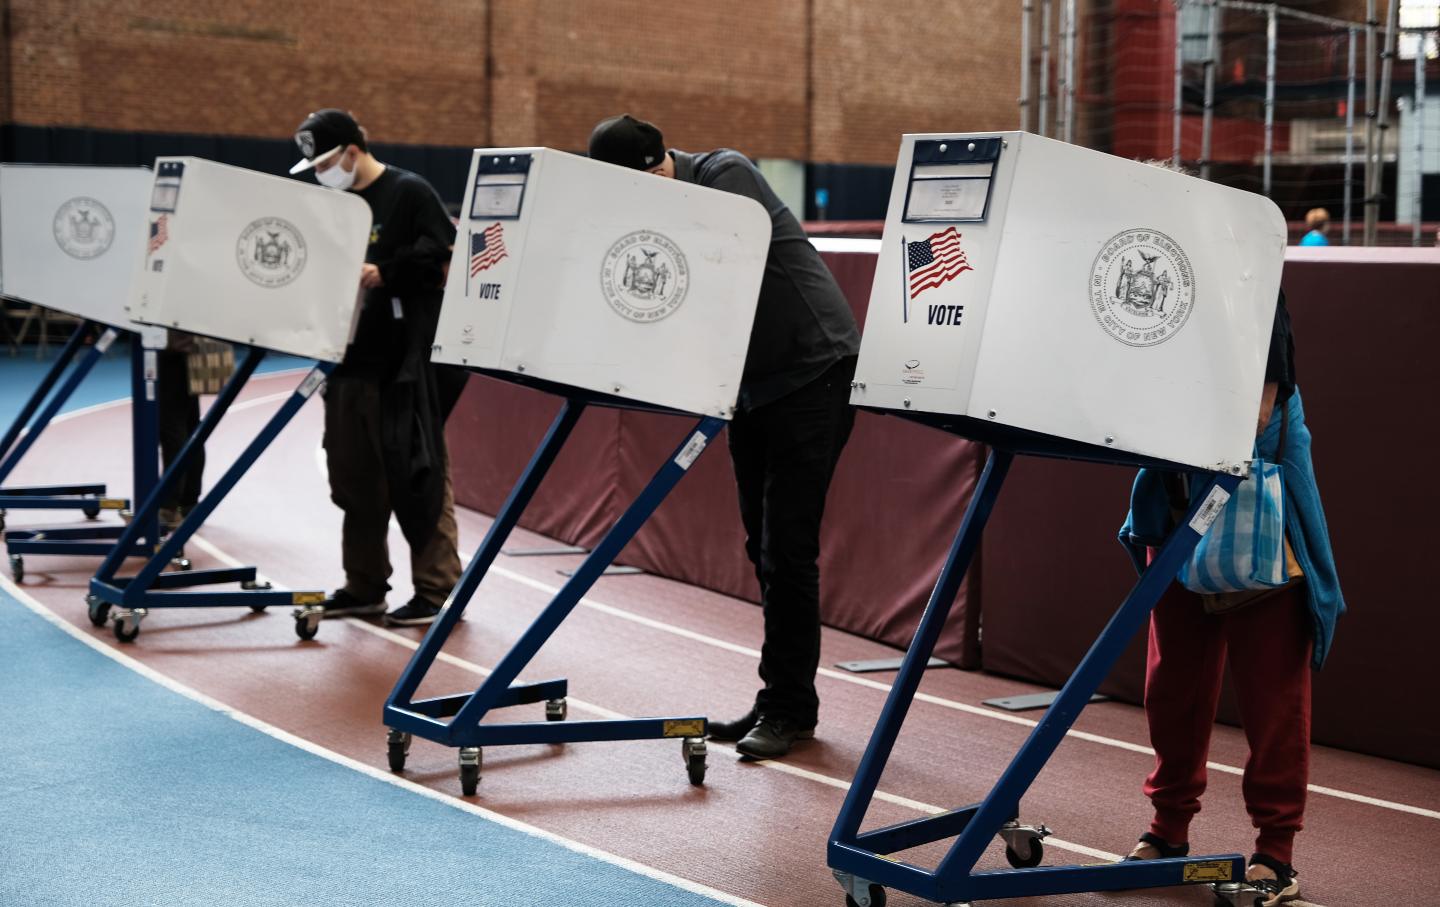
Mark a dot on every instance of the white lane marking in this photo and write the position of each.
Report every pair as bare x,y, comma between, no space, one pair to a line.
264,727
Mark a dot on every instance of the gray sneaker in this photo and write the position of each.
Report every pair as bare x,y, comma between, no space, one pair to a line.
343,604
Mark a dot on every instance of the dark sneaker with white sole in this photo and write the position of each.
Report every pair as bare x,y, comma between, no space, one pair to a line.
343,604
772,736
1279,890
417,612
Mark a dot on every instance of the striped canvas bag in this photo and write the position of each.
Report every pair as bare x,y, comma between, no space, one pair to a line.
1245,547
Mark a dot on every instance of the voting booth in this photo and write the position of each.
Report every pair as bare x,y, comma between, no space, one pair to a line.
263,262
607,287
1049,300
70,241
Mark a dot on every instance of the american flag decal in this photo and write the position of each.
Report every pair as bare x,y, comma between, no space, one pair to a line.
933,261
159,232
487,248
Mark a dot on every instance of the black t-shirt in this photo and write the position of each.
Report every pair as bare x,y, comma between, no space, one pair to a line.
1280,363
410,240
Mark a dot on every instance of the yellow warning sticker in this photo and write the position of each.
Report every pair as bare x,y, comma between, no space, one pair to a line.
1211,871
112,503
306,598
691,728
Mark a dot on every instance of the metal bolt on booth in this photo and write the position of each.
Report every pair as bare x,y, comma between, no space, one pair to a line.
608,288
1141,341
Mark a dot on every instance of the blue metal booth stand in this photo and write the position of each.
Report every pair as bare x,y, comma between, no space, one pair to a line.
408,717
32,420
132,597
866,862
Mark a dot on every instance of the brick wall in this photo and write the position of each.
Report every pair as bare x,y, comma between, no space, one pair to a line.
475,72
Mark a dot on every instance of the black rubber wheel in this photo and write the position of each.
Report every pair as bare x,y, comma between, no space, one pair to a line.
126,635
258,609
91,513
877,898
98,610
305,629
395,750
469,779
695,768
17,568
1037,854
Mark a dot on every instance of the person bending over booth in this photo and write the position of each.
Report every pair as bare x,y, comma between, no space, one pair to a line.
790,426
386,404
1274,637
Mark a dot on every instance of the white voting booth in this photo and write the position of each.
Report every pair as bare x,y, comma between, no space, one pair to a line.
598,277
1050,300
71,237
607,287
265,262
251,258
1051,288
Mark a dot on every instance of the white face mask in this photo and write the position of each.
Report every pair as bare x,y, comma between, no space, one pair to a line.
336,177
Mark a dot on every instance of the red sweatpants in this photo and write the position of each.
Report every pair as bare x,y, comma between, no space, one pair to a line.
1269,643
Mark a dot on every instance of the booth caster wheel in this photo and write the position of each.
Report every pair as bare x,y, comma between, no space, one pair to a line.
252,585
1024,847
127,624
98,609
307,621
1236,894
556,709
181,563
91,512
693,750
397,747
470,760
17,568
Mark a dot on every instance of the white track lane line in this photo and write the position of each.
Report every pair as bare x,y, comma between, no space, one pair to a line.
994,715
299,742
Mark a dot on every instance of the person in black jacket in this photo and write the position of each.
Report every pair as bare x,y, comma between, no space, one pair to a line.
385,404
792,421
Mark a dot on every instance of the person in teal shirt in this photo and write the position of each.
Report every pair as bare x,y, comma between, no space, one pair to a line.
1318,221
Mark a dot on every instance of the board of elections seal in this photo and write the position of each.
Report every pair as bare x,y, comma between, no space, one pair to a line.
84,228
271,252
1142,288
644,276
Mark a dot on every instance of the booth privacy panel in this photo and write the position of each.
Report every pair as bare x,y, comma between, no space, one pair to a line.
1090,298
71,238
251,258
603,278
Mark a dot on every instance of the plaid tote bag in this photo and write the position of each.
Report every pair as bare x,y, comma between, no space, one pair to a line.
1245,547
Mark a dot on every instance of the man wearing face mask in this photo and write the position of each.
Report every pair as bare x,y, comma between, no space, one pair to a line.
385,404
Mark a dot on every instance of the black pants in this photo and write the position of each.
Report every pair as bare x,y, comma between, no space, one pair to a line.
785,454
178,412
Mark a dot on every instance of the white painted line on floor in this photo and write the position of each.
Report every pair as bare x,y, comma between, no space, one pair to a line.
315,749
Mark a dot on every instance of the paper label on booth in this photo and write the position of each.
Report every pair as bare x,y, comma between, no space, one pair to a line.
1210,510
691,451
311,383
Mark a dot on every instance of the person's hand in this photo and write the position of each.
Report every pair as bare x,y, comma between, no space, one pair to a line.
370,277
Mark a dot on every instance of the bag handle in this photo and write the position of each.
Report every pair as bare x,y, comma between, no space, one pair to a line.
1284,427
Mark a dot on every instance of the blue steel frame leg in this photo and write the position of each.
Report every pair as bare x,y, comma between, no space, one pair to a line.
140,590
505,521
67,353
98,540
498,690
59,497
855,856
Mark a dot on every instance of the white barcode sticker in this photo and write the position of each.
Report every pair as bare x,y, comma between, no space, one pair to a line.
691,451
311,383
1205,516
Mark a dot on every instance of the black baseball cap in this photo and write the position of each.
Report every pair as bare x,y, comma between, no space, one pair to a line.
324,131
629,142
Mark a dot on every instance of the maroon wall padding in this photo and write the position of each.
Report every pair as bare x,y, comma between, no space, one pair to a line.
906,485
1365,362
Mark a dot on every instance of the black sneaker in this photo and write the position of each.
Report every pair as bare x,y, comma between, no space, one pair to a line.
417,612
730,731
772,737
343,604
1284,887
